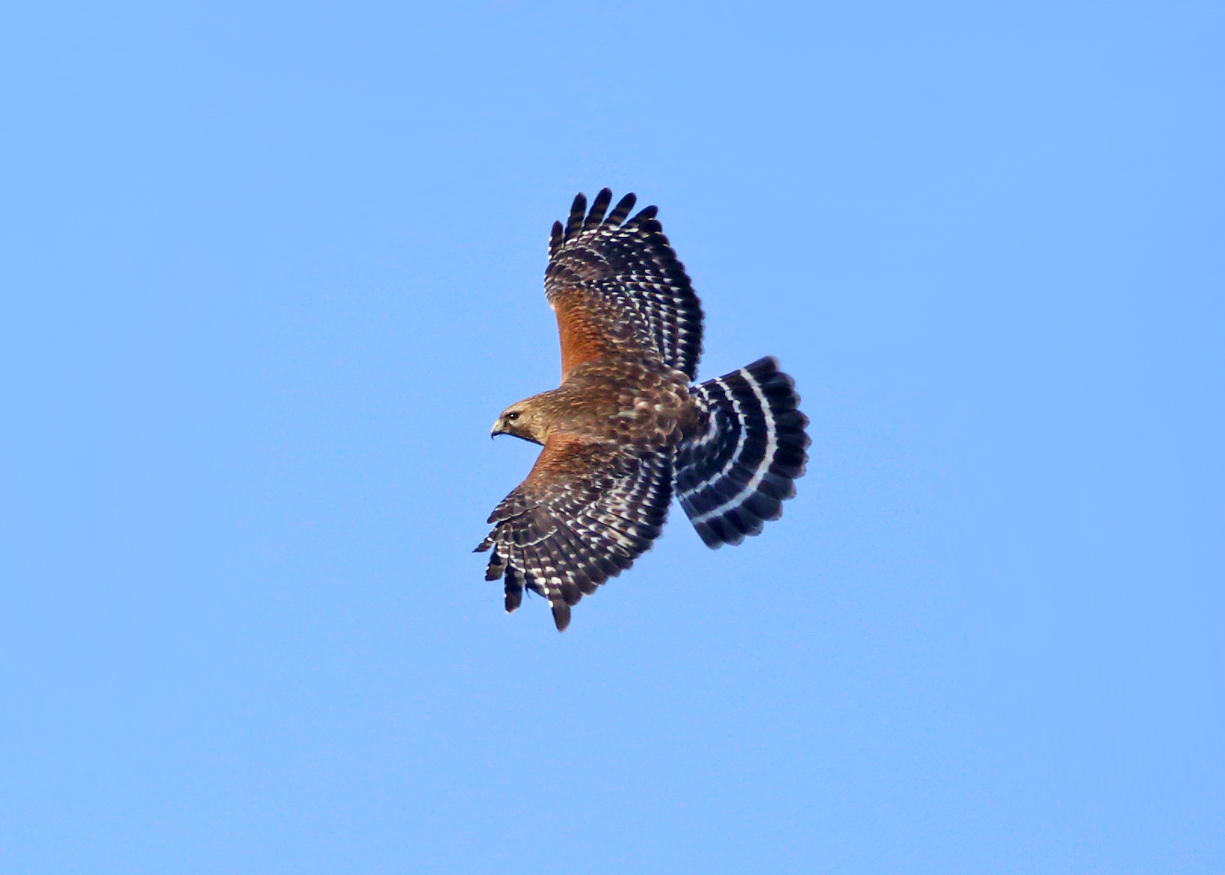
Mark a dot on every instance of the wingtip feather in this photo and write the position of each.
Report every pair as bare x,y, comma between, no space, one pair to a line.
598,207
622,209
578,211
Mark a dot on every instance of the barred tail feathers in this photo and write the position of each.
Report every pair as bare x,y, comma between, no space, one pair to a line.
736,474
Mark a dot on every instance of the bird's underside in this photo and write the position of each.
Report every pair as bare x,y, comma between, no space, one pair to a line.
626,431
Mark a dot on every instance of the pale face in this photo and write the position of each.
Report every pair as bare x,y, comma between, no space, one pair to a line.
521,420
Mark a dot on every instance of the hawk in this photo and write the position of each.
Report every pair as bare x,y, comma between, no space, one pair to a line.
627,429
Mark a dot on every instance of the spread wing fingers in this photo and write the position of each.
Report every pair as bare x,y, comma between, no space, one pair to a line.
584,514
618,289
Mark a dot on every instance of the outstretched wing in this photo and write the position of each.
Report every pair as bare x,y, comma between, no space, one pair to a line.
618,289
584,514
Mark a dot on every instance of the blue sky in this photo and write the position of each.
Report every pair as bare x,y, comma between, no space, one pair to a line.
272,270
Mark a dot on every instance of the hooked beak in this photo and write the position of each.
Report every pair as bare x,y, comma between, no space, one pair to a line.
497,429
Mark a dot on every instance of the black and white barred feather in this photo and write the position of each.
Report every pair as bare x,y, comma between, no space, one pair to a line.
632,268
743,463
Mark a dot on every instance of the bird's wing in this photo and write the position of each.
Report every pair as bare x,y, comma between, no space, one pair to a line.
618,289
585,512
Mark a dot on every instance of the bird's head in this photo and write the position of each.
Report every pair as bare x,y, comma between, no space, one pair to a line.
523,420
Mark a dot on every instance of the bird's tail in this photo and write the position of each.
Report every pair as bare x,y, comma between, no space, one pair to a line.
738,471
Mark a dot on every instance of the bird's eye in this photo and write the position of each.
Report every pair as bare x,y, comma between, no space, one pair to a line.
512,416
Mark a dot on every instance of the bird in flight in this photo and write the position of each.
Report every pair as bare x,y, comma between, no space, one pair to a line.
627,429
